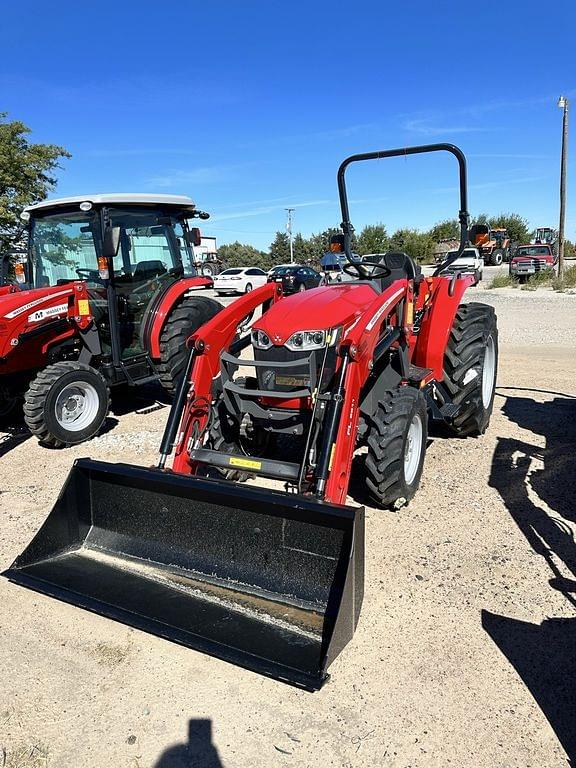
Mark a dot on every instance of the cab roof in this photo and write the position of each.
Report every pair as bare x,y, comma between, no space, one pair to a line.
116,198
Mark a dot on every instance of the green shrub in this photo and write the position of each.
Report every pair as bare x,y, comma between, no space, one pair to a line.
504,281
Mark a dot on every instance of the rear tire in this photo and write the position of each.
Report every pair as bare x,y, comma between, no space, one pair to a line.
208,270
248,288
66,404
182,322
396,438
470,366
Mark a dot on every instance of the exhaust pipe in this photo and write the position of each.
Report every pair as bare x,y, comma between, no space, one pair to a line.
266,580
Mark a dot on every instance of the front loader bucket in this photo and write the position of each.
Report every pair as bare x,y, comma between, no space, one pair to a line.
270,581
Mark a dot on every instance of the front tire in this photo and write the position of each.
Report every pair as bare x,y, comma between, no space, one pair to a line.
497,257
396,438
470,366
248,288
182,322
66,404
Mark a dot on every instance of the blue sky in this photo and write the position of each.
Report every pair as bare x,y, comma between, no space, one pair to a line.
249,107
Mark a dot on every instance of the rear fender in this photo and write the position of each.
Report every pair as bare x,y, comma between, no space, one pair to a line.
166,305
446,295
210,341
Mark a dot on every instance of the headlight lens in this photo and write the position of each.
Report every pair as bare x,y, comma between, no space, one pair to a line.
306,340
261,340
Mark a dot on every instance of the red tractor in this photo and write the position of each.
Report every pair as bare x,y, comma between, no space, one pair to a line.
337,380
101,301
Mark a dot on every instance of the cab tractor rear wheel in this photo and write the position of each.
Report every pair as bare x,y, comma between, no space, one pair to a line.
470,365
396,439
66,404
184,319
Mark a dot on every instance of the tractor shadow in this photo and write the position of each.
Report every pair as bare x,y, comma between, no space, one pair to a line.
538,486
199,752
126,399
12,435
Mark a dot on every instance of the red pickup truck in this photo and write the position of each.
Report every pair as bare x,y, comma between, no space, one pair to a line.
530,259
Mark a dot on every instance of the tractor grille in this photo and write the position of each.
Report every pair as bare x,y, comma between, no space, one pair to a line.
289,379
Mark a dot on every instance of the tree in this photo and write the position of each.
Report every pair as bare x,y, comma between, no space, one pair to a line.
516,225
280,249
449,229
303,250
373,239
26,176
241,255
419,245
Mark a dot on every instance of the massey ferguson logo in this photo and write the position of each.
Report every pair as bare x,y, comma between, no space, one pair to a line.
25,307
42,314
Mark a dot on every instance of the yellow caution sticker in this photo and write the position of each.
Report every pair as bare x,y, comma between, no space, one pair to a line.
410,313
235,461
83,307
332,452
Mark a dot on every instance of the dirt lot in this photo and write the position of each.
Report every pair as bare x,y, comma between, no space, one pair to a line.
466,650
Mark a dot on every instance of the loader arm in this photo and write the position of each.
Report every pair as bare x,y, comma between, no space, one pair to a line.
362,347
207,345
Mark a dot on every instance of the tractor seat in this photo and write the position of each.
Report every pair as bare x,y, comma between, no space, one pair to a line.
401,267
146,270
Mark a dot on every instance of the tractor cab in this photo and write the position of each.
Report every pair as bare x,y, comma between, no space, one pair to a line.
106,295
153,249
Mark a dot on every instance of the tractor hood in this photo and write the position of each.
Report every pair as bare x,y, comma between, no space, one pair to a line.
29,304
318,309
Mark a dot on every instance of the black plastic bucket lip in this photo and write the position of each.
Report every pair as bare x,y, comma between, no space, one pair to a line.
243,497
293,676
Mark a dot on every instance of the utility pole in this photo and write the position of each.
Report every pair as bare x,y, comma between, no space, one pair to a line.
563,104
289,212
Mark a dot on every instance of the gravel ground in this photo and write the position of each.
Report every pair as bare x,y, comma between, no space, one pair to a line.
465,650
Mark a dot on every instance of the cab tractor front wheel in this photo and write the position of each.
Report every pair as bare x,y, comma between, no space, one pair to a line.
66,404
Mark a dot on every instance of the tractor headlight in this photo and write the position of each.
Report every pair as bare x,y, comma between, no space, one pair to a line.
261,340
306,340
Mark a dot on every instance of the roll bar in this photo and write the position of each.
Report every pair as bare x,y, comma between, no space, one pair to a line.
463,215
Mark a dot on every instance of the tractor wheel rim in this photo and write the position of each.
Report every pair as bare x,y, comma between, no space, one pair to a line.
488,372
413,449
77,406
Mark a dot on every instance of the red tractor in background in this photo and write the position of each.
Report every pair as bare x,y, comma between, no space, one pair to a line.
101,301
332,381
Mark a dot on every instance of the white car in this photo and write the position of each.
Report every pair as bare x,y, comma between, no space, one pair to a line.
239,280
470,262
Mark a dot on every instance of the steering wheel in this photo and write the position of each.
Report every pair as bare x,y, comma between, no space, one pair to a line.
366,270
89,275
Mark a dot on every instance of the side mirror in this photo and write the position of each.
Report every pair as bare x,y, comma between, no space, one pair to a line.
194,236
111,242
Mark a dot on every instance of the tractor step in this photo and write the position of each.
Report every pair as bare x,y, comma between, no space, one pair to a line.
417,374
449,411
275,470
